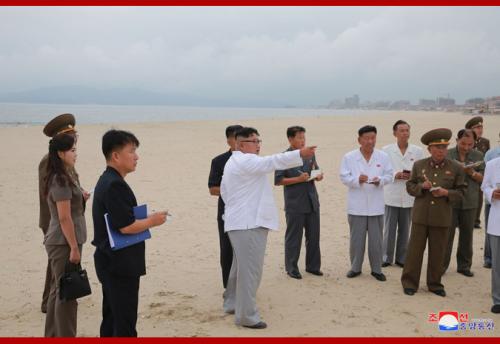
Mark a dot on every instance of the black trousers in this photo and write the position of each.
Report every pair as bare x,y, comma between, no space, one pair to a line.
295,225
120,299
226,251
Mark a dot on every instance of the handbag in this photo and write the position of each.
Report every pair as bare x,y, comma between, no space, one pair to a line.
74,283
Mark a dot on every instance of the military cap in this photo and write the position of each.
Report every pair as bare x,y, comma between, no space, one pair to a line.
60,124
473,122
440,136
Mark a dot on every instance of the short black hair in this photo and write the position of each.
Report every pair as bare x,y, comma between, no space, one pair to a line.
366,129
292,131
399,122
246,132
467,133
116,139
232,129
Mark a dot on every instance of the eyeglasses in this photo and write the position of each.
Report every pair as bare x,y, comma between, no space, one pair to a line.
257,142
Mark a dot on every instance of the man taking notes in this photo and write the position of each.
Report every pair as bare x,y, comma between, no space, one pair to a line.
301,207
119,271
249,213
365,171
398,203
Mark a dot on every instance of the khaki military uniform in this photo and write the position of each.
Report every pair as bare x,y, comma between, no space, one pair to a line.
431,219
60,124
464,214
482,145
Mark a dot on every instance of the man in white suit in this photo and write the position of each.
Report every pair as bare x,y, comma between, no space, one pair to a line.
249,213
491,190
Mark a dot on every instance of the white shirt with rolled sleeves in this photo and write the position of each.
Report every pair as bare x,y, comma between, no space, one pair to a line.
247,193
490,181
395,193
365,199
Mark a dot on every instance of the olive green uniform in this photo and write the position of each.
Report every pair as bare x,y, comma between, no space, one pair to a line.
431,218
464,214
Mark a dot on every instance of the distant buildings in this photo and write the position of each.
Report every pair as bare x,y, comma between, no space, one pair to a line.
472,105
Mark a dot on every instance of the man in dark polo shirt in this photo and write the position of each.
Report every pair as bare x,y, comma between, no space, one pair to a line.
301,208
214,181
119,271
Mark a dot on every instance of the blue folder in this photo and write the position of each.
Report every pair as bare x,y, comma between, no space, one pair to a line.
118,240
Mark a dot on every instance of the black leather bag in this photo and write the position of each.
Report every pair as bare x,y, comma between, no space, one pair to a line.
74,283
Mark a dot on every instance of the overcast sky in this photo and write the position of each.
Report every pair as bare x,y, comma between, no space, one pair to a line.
299,56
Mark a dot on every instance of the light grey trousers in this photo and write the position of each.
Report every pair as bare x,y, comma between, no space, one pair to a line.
359,226
495,268
396,221
249,247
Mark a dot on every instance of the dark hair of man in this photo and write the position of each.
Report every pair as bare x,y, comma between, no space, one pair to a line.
246,132
232,129
399,122
467,133
292,131
114,140
55,166
367,129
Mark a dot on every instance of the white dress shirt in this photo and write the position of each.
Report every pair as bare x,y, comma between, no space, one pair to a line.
365,199
246,191
491,181
395,193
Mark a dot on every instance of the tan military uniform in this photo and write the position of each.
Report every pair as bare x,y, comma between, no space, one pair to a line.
431,218
483,145
60,124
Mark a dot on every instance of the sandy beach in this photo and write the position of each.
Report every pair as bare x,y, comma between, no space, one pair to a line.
181,295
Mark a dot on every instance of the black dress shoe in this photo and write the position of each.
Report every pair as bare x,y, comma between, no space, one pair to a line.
351,274
295,274
467,273
409,291
401,265
487,265
440,292
379,277
315,272
477,226
385,264
495,309
259,326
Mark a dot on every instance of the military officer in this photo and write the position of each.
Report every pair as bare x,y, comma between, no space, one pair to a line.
483,145
434,182
64,123
464,212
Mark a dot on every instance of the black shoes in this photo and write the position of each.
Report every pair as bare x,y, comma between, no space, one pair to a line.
495,309
379,277
295,274
385,264
467,273
259,326
352,274
487,265
409,291
315,272
401,265
439,292
477,226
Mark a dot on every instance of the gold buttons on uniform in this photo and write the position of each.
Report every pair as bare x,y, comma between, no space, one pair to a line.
435,174
432,202
433,183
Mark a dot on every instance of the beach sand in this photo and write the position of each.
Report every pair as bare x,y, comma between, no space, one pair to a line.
181,295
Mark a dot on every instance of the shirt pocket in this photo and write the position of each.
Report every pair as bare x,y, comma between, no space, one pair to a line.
448,182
